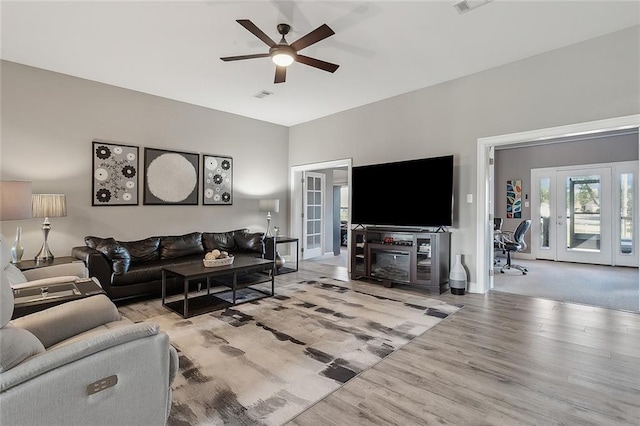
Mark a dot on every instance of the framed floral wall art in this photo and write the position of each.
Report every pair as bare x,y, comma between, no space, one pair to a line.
217,180
115,175
170,177
514,199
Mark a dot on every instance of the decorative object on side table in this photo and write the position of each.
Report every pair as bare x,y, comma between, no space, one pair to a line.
15,203
217,180
170,177
458,277
46,206
269,205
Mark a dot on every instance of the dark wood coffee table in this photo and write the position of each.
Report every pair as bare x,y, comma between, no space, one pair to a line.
34,299
243,273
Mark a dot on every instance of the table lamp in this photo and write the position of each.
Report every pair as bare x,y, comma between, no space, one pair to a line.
47,205
269,205
15,203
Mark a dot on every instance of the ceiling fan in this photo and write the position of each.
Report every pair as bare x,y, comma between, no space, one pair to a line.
284,54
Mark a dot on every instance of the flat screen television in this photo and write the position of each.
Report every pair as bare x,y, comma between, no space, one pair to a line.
414,193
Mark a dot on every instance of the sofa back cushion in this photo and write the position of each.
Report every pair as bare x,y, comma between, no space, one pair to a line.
143,250
222,241
246,241
181,245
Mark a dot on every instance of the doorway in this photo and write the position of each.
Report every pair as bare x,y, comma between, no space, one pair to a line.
485,206
317,225
585,214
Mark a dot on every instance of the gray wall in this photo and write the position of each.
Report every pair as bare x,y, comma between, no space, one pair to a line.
49,121
516,163
588,81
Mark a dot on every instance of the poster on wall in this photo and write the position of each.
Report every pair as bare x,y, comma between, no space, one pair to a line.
217,180
170,177
115,175
514,199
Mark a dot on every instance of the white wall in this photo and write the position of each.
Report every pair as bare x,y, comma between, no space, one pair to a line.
588,81
49,121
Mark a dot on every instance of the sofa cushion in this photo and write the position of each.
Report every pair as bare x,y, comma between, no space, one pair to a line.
92,242
119,256
249,241
223,241
151,271
181,245
143,250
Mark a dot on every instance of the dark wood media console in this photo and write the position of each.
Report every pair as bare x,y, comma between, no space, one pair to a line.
401,257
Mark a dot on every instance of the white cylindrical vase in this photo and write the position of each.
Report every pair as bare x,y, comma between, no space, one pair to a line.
458,277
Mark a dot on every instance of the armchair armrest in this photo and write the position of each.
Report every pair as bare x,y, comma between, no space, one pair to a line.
77,269
63,321
139,357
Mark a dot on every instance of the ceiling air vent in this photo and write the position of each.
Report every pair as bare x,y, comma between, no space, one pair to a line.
467,5
263,94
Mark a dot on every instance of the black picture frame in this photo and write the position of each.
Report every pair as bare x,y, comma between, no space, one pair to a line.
217,180
116,174
171,177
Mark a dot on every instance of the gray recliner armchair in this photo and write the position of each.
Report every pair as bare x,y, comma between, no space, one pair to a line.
82,363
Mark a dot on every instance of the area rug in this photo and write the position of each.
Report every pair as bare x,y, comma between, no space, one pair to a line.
266,361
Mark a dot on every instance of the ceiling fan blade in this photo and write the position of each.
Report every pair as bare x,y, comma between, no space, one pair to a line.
253,29
281,74
238,58
320,33
317,63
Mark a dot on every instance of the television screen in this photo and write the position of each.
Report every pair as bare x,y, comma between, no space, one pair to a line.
415,193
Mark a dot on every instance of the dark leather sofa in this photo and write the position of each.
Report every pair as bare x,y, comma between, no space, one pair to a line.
134,268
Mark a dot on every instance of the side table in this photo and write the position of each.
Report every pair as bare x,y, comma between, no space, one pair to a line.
35,299
272,248
26,265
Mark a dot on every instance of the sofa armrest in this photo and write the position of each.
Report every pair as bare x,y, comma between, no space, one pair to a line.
63,321
97,264
77,269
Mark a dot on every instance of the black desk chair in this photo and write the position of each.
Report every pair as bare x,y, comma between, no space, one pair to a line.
514,242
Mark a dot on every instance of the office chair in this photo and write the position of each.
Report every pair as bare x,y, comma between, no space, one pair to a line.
514,242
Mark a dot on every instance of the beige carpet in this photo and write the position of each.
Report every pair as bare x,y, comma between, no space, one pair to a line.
264,362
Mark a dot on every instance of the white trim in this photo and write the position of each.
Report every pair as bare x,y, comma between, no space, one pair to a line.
295,231
484,233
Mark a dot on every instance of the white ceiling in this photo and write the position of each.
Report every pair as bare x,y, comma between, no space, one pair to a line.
172,49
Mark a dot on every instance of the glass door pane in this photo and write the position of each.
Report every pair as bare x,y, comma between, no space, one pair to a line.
583,213
626,214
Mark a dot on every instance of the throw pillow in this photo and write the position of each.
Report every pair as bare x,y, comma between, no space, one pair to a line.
119,256
249,241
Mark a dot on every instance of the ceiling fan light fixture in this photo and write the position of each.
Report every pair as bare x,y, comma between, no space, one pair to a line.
283,59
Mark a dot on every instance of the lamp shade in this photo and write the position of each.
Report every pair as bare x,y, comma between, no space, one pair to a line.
270,205
49,205
15,200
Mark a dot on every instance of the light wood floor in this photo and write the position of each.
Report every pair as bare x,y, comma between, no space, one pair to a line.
501,360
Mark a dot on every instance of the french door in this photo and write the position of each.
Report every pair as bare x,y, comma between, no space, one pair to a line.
313,220
585,214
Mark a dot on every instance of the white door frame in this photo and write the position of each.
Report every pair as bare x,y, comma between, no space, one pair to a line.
484,225
295,207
